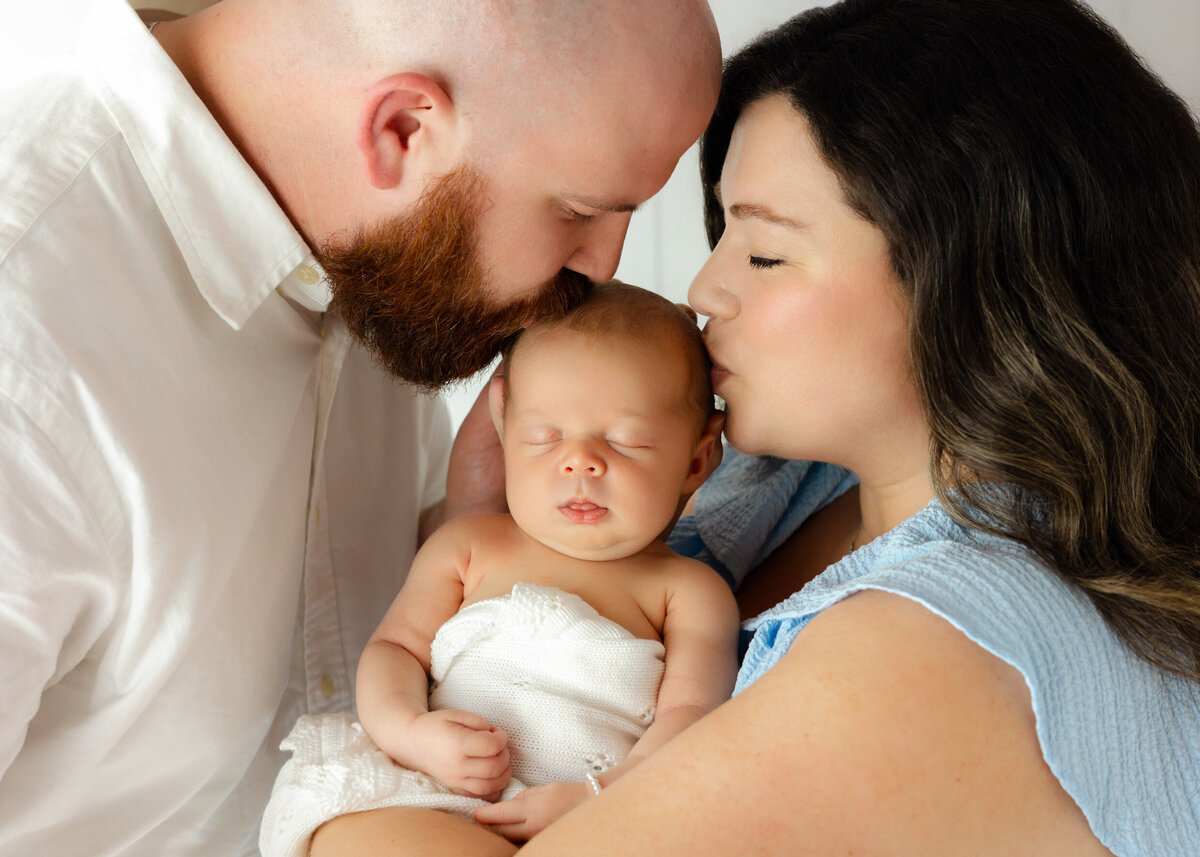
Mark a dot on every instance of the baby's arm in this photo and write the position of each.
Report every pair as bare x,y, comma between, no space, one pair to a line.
700,635
459,748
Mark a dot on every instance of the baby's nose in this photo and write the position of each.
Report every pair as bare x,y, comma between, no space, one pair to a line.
581,458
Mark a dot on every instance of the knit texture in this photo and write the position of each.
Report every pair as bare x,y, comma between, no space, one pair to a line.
573,690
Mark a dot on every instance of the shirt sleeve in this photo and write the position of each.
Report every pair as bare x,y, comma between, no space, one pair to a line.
56,573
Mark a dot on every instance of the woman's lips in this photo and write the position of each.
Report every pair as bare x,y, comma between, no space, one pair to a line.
718,375
582,511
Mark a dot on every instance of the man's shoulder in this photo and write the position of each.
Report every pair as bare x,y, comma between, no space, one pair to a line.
54,129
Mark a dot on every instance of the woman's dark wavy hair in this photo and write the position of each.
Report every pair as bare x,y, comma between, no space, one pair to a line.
1039,190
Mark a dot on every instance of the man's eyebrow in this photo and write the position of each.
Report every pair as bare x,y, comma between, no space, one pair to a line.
599,205
750,211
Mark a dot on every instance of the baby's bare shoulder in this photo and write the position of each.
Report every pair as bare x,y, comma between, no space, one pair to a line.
687,580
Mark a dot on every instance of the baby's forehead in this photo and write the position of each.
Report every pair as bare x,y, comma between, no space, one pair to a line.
541,346
545,355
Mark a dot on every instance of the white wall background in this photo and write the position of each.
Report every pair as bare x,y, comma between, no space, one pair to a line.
666,245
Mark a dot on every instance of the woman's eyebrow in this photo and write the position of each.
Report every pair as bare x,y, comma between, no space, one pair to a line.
751,211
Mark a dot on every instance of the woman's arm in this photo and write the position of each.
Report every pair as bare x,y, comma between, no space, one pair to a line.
883,731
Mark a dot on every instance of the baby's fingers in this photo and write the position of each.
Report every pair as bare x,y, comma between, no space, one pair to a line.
488,789
486,767
469,719
485,744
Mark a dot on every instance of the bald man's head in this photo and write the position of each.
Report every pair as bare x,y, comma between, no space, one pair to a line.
565,114
511,64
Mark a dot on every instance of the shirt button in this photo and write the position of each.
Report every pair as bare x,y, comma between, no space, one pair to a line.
307,274
327,686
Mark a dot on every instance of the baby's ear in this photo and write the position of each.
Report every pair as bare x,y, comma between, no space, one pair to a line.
707,455
496,402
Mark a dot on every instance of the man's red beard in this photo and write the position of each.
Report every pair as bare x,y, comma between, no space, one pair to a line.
413,292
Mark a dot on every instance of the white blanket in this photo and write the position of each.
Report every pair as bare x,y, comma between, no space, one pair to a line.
573,690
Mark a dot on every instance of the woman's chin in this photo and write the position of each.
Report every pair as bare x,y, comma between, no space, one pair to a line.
741,437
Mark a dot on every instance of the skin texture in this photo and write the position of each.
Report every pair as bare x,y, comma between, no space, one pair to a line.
884,731
609,435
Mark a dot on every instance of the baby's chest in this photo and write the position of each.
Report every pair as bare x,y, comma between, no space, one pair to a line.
611,592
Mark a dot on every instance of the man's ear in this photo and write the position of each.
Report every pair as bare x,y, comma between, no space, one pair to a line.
707,455
407,120
496,402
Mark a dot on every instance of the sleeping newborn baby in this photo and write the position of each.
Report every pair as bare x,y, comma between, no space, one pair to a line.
536,656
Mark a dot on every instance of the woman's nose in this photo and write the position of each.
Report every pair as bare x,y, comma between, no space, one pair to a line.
581,459
708,294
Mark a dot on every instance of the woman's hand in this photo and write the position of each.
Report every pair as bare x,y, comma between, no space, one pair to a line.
532,810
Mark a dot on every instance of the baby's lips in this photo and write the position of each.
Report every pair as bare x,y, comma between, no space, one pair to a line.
582,511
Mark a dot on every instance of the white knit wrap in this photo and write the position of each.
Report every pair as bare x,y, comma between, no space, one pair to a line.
573,690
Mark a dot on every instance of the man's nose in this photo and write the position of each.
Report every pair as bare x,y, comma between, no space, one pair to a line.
598,255
581,458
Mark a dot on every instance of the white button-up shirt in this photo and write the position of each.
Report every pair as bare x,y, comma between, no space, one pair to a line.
208,495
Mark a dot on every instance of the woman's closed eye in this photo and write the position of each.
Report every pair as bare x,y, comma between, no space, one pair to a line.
764,262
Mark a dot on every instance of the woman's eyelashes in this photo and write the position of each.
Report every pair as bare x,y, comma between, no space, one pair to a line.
761,262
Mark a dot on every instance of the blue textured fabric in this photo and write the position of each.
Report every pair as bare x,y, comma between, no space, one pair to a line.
750,505
1122,737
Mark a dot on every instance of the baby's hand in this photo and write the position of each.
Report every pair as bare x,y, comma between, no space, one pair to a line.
532,811
463,751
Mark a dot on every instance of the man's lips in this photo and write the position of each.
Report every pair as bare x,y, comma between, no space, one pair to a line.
582,511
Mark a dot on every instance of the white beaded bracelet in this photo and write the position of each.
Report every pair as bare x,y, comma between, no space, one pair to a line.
594,782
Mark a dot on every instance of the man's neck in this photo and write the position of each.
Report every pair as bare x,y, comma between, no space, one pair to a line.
211,52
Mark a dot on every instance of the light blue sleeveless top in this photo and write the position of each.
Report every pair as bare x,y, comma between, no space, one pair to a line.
1122,737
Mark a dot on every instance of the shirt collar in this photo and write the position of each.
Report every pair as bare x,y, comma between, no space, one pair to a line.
237,242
